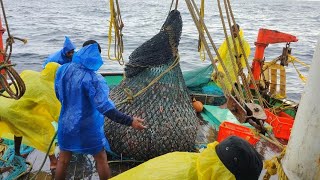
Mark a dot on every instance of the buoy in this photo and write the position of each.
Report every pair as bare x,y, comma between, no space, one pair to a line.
197,105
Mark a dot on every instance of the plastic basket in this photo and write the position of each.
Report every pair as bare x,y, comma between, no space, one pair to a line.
228,129
281,123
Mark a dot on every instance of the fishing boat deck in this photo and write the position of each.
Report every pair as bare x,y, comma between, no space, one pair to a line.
83,166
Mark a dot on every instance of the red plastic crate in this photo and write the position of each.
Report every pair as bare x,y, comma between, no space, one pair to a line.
228,129
282,124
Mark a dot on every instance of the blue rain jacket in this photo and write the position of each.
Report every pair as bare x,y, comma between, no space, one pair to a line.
60,56
84,96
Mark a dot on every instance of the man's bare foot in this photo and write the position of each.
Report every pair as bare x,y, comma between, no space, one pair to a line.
53,164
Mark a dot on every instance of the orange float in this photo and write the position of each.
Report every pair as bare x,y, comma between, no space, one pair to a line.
197,105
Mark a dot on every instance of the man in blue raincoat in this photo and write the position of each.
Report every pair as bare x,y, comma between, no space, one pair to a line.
64,55
84,97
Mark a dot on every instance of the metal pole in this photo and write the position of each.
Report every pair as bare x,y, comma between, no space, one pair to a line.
302,159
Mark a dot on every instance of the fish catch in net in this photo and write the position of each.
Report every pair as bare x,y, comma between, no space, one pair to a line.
164,104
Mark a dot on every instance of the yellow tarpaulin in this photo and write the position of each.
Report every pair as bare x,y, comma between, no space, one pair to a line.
181,166
31,115
227,60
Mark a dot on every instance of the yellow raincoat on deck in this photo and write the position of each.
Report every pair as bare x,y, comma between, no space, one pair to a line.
181,166
227,60
31,115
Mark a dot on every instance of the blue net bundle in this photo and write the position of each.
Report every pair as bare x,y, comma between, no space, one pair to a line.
9,159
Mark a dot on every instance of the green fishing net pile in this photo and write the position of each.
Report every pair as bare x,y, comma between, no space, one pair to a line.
166,105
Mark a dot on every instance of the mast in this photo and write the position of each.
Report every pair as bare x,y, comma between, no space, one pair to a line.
302,159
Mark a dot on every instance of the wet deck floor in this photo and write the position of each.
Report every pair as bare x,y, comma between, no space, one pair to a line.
83,166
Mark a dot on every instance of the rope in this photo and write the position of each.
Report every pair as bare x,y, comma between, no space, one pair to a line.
26,172
45,158
17,165
176,5
272,62
192,9
171,6
273,140
293,59
303,78
276,109
17,82
129,93
10,39
201,49
246,59
117,25
6,67
230,53
177,2
274,166
238,60
131,96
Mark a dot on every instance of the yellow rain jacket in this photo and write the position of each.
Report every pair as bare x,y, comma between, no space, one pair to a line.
31,115
227,60
181,166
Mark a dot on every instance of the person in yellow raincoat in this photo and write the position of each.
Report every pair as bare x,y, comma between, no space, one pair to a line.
31,116
227,59
234,158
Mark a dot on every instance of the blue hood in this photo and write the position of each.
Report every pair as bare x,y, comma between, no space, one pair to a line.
89,56
68,45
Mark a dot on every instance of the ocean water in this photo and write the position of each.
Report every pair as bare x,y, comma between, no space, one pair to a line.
45,23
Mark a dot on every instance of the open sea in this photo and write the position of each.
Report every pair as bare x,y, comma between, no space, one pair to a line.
45,23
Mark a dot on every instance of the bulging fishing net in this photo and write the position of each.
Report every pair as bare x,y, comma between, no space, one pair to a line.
165,105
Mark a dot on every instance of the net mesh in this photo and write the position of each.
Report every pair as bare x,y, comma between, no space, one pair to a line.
165,106
159,50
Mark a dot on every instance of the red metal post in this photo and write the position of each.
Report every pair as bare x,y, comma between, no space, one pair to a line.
266,37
